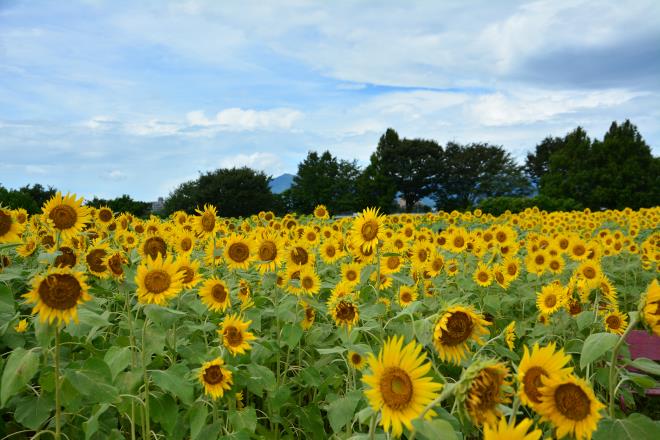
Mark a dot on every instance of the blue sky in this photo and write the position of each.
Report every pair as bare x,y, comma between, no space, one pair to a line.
104,98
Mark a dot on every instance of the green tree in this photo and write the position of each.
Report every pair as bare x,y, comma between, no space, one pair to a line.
123,203
375,189
410,164
235,192
470,173
14,199
538,162
323,179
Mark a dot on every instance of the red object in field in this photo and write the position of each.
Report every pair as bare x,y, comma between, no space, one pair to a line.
643,344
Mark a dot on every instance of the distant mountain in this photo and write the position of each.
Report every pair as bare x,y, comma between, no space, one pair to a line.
281,183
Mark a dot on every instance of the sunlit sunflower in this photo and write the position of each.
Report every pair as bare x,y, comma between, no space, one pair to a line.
238,252
309,315
270,252
455,328
330,251
368,228
183,242
570,404
535,367
356,360
128,239
345,312
297,254
22,326
157,280
115,262
457,240
235,336
57,293
537,262
215,379
190,270
206,223
152,246
483,387
95,259
21,216
399,387
66,215
505,431
591,272
615,321
551,298
482,275
350,272
407,295
104,215
651,307
435,265
10,228
321,212
310,283
510,335
28,247
214,293
420,254
577,249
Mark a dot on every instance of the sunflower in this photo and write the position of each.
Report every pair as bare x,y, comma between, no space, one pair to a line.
356,360
345,312
206,223
505,431
482,275
483,387
350,272
152,246
577,249
556,264
420,254
330,251
615,321
551,298
510,335
215,294
57,293
407,295
28,247
451,267
512,266
66,214
238,252
128,239
21,215
535,367
270,252
399,387
95,259
215,379
114,262
10,228
157,280
456,326
235,336
368,228
591,272
321,212
190,270
537,262
183,242
435,265
651,307
570,404
104,215
310,283
22,326
458,240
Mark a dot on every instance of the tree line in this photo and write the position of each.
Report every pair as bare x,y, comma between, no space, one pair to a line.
560,173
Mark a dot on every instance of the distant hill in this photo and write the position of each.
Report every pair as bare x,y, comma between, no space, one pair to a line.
281,183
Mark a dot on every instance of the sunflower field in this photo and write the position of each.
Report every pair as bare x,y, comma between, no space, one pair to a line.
435,326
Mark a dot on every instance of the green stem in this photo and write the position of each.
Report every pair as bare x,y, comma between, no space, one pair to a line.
514,410
131,341
446,392
615,353
147,421
58,384
372,427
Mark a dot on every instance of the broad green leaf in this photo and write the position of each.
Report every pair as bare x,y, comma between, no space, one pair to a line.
33,411
198,414
164,411
162,316
244,419
117,358
595,346
331,350
635,427
436,429
584,319
291,334
342,410
260,378
91,426
21,366
646,365
92,385
173,380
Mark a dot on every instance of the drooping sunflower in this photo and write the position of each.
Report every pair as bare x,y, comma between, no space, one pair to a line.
114,262
95,259
510,335
455,328
309,315
399,387
10,228
345,312
215,379
551,298
505,431
535,367
66,214
368,228
206,223
235,336
57,293
483,387
407,295
451,267
214,293
238,252
615,321
157,280
570,405
321,212
651,307
28,247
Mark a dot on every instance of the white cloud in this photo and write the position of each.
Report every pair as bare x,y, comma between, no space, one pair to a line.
237,119
269,162
36,169
116,175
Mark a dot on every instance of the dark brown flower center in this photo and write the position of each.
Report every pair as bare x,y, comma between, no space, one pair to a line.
459,329
5,222
396,388
589,273
188,274
238,252
153,246
307,282
572,402
60,291
579,250
234,336
208,222
369,230
550,300
459,241
500,236
105,215
157,281
356,358
213,375
186,244
330,251
482,276
219,293
95,260
613,322
539,260
299,256
63,217
267,251
532,383
406,297
67,259
345,311
114,263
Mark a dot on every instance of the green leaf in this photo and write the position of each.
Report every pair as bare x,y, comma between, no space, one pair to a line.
164,411
93,385
595,346
244,419
437,429
260,378
331,350
7,301
20,368
91,426
291,334
173,380
162,316
198,414
584,320
646,365
117,358
342,410
33,411
635,427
